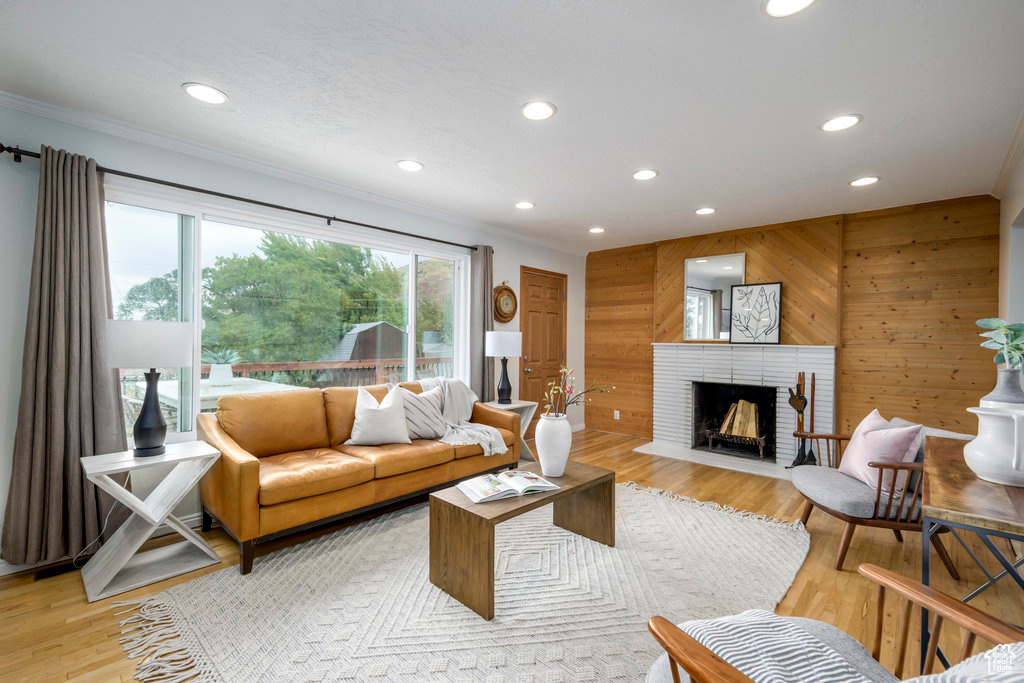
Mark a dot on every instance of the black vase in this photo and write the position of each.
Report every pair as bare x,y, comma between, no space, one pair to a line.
150,428
504,386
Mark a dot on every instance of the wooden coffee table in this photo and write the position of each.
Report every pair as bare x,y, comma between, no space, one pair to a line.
462,532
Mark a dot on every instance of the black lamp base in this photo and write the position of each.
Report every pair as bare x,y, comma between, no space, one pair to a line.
150,428
504,386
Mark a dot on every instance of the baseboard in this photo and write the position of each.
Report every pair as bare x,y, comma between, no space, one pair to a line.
8,568
192,521
579,427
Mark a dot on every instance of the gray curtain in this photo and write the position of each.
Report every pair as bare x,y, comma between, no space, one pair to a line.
716,306
70,400
481,320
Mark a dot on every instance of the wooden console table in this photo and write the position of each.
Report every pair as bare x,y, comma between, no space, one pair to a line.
954,497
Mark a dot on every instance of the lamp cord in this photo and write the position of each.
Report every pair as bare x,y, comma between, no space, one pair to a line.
106,520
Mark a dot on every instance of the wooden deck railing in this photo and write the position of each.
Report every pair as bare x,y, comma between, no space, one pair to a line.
350,373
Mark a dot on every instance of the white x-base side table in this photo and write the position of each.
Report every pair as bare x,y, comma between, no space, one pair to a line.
526,409
116,567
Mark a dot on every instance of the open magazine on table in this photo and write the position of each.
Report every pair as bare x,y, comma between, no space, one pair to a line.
507,484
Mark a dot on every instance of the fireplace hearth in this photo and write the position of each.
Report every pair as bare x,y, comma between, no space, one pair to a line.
750,429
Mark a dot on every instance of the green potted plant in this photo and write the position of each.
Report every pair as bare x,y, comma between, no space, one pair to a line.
1007,340
220,362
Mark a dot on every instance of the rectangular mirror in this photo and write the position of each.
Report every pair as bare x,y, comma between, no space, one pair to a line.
709,281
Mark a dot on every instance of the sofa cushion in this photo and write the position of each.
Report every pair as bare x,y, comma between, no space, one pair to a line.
832,489
340,406
876,440
423,414
300,474
846,646
278,422
475,449
395,458
379,422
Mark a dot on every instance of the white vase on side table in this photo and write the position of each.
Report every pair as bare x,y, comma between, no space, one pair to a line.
997,455
553,441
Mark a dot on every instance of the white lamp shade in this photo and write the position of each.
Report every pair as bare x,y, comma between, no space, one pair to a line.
148,344
503,344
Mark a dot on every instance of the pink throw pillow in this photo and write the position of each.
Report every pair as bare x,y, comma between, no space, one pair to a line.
875,440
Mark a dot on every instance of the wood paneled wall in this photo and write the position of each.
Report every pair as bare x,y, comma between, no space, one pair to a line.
620,329
802,255
896,291
915,279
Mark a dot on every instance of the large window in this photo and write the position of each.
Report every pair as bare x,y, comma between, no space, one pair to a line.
281,307
151,278
435,317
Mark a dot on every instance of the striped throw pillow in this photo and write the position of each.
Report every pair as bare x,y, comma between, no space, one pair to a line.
424,415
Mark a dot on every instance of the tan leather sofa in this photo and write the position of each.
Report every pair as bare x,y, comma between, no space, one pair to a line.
284,465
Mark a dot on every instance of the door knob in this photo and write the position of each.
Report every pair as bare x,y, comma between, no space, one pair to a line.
527,370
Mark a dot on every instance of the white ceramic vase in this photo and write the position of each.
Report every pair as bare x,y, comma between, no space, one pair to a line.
220,375
554,438
997,454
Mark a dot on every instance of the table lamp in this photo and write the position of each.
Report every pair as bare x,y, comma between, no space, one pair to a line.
149,344
504,345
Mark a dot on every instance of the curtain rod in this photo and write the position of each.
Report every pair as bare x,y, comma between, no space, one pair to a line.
18,153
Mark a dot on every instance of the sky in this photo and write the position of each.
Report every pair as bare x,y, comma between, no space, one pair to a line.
143,243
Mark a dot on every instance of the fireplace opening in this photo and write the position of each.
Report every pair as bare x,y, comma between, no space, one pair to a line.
747,414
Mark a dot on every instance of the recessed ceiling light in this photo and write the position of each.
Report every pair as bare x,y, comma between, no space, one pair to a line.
704,211
538,111
778,9
596,229
842,122
409,165
205,93
866,180
525,205
702,260
726,267
645,174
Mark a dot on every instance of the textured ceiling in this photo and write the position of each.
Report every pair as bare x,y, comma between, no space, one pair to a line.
724,101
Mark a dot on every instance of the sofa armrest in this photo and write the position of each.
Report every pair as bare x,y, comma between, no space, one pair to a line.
230,489
495,417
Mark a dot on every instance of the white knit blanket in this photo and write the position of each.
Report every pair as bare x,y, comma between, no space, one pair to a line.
457,411
768,649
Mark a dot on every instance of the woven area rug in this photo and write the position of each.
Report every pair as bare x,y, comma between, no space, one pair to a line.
357,604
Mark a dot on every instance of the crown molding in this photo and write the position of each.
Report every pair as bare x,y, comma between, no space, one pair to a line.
1012,161
122,129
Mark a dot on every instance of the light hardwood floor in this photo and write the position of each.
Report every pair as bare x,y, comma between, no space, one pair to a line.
48,632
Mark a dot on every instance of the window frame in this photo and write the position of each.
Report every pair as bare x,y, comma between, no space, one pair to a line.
202,208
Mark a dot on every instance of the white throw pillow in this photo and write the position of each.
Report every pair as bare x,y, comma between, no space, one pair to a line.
423,413
379,423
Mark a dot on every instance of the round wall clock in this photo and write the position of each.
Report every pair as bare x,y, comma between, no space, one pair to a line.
505,304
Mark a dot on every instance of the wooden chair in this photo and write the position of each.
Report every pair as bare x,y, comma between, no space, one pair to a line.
858,504
704,665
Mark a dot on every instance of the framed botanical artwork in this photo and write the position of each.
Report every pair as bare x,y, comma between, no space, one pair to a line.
755,312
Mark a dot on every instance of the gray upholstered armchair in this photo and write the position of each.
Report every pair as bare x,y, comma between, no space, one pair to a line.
704,665
851,500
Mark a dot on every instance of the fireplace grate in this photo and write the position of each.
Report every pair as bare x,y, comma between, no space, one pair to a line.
758,441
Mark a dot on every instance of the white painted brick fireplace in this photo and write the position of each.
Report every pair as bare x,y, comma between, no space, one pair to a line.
678,366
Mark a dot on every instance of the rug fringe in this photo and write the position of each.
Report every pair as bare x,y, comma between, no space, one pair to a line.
796,526
152,634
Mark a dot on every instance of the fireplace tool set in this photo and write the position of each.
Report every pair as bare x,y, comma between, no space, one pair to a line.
798,401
